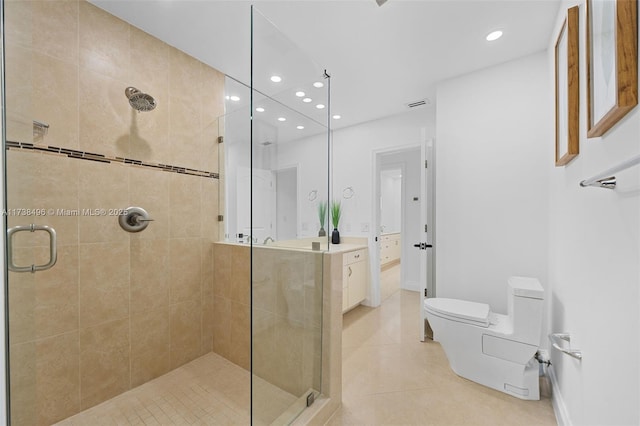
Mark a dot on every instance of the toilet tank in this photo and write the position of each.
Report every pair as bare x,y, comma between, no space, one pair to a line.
525,305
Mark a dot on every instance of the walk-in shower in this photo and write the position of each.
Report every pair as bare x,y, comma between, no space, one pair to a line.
167,322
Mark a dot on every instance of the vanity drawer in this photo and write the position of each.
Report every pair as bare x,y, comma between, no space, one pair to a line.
354,256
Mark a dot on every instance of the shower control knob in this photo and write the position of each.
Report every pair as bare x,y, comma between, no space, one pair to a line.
137,218
134,219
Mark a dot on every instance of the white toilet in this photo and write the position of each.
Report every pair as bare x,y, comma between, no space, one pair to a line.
492,349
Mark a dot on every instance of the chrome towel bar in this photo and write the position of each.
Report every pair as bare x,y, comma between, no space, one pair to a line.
555,341
607,178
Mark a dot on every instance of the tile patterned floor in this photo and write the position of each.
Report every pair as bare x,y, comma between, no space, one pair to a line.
207,391
391,378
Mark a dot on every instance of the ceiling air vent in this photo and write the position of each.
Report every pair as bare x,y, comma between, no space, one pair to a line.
419,103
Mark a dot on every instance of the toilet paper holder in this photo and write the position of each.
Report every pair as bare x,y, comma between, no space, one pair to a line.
556,339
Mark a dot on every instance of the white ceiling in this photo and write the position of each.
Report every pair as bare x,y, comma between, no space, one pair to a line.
380,58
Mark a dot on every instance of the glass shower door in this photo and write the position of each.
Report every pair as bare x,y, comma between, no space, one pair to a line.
117,308
289,117
42,191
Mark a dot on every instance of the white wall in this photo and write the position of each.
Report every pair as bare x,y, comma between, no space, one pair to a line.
352,156
353,159
503,208
594,272
492,148
310,156
286,204
352,165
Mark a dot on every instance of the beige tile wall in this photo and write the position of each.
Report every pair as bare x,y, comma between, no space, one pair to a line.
287,313
231,303
118,309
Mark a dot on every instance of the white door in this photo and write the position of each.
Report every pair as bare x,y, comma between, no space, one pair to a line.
286,196
427,253
263,203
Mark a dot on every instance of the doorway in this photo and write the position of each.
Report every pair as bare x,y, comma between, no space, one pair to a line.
397,221
412,189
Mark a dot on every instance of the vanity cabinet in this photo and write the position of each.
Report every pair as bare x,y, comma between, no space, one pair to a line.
389,248
355,274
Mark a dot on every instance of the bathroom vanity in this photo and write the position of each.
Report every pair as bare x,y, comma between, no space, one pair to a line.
355,282
389,249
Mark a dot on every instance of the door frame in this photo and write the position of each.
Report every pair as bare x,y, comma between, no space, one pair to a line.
4,372
427,176
374,235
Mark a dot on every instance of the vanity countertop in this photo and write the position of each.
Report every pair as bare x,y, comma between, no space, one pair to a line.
349,244
343,248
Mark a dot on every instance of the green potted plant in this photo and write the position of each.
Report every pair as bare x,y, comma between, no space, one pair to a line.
322,215
336,212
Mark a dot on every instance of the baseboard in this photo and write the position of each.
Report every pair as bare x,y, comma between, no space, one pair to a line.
410,285
559,408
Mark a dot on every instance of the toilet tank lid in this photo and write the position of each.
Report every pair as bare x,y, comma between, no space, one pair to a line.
463,309
526,287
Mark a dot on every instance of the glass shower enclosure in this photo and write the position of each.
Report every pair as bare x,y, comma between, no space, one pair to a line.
271,204
161,222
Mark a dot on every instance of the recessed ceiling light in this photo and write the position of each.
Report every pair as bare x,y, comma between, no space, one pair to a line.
234,98
319,106
227,97
337,117
260,109
282,119
299,127
300,94
276,78
318,84
307,100
494,35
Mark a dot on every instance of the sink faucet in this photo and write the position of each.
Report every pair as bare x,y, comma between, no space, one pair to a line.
266,240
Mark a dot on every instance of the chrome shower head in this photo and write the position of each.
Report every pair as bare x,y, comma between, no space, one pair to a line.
138,100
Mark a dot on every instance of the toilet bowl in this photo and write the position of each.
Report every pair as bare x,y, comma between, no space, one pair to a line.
492,349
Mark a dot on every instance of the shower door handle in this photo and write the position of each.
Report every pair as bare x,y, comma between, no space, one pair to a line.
53,249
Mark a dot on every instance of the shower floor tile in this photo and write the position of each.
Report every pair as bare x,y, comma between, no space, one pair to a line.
207,391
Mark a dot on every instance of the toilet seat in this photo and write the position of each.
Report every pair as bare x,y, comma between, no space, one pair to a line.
459,310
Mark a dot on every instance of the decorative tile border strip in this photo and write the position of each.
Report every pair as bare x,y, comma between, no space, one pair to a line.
83,155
